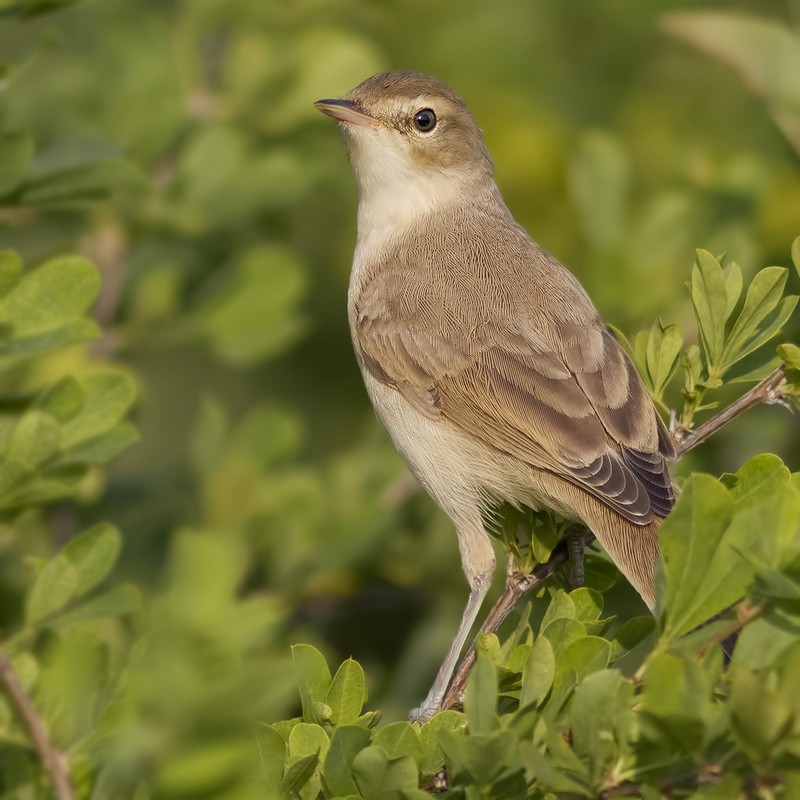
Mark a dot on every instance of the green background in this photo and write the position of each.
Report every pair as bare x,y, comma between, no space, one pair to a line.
264,504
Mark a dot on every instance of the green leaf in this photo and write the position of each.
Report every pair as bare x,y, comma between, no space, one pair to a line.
480,696
541,769
299,774
756,480
482,757
107,398
763,296
588,604
53,588
35,440
271,752
50,296
16,154
375,774
307,739
595,721
347,693
81,330
82,563
313,677
675,696
630,634
789,355
454,722
399,739
346,743
62,401
696,557
102,448
561,606
583,656
93,554
488,645
537,676
761,717
733,287
663,350
121,600
560,632
709,297
796,254
764,640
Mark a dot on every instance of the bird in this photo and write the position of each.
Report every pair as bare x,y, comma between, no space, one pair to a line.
483,356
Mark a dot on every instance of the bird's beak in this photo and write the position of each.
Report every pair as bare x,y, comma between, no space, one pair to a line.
345,111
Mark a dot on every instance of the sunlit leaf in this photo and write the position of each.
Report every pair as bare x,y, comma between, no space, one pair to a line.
763,295
537,676
399,739
347,742
376,774
116,602
733,286
480,696
347,693
433,757
709,297
271,752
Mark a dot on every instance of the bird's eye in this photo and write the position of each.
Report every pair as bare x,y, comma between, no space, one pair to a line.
425,120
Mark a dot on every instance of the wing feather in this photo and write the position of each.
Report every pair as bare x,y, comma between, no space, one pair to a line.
556,391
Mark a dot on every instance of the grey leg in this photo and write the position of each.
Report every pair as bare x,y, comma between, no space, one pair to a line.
433,701
575,543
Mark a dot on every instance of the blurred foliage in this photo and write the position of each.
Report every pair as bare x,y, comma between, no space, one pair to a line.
560,709
175,146
581,704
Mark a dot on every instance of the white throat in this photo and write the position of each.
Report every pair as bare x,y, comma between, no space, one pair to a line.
395,192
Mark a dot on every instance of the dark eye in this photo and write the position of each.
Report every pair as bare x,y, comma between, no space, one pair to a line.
425,120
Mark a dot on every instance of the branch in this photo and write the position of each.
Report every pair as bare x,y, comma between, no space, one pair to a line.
517,585
769,391
52,760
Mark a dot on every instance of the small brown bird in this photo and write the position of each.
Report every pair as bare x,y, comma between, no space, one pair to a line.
483,356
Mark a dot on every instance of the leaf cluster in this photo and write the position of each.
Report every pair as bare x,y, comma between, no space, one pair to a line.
49,437
732,331
578,704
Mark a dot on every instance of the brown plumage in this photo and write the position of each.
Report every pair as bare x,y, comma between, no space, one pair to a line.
482,354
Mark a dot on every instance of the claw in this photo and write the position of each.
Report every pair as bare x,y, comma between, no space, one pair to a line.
576,545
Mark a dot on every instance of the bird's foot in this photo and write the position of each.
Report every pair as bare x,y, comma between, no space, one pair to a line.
576,545
429,708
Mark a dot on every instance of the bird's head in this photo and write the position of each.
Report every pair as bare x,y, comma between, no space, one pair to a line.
405,129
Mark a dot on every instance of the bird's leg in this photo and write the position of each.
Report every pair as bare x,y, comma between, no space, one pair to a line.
433,702
576,544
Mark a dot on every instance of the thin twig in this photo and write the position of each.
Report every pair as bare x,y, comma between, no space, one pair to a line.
52,760
768,391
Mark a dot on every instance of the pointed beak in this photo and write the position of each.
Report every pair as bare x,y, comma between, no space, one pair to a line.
345,111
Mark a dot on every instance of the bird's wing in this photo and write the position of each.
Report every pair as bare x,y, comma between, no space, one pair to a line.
560,395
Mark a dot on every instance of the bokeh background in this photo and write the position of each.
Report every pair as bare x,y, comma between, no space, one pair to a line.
264,504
